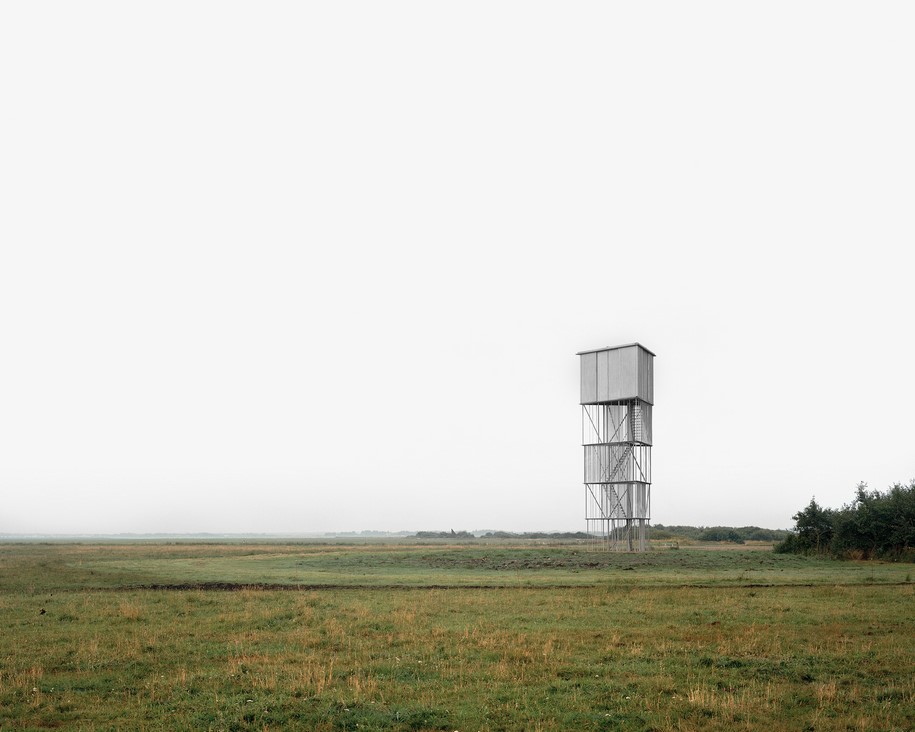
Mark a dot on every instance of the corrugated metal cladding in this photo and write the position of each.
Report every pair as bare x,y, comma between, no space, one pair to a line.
628,421
617,501
618,372
617,464
588,378
646,376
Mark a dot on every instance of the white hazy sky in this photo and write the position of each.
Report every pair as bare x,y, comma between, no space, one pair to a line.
319,266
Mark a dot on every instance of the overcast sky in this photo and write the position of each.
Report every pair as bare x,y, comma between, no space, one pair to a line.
296,267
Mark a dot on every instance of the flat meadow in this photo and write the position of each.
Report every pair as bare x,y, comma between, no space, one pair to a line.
496,635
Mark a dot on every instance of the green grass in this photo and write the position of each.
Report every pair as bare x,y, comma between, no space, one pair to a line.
475,637
32,567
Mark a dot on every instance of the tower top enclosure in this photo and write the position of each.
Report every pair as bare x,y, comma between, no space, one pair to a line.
617,373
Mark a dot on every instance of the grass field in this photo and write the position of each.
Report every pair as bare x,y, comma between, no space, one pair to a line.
478,636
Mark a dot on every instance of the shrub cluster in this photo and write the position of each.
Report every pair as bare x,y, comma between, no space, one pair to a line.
721,533
537,535
874,524
737,535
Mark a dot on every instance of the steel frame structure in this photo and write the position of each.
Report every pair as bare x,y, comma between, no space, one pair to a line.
616,437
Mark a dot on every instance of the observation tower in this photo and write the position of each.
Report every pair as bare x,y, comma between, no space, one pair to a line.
617,396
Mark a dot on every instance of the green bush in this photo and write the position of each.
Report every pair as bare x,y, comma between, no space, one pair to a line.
874,524
721,533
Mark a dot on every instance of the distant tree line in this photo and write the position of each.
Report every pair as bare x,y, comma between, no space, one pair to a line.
501,535
874,524
537,535
736,535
